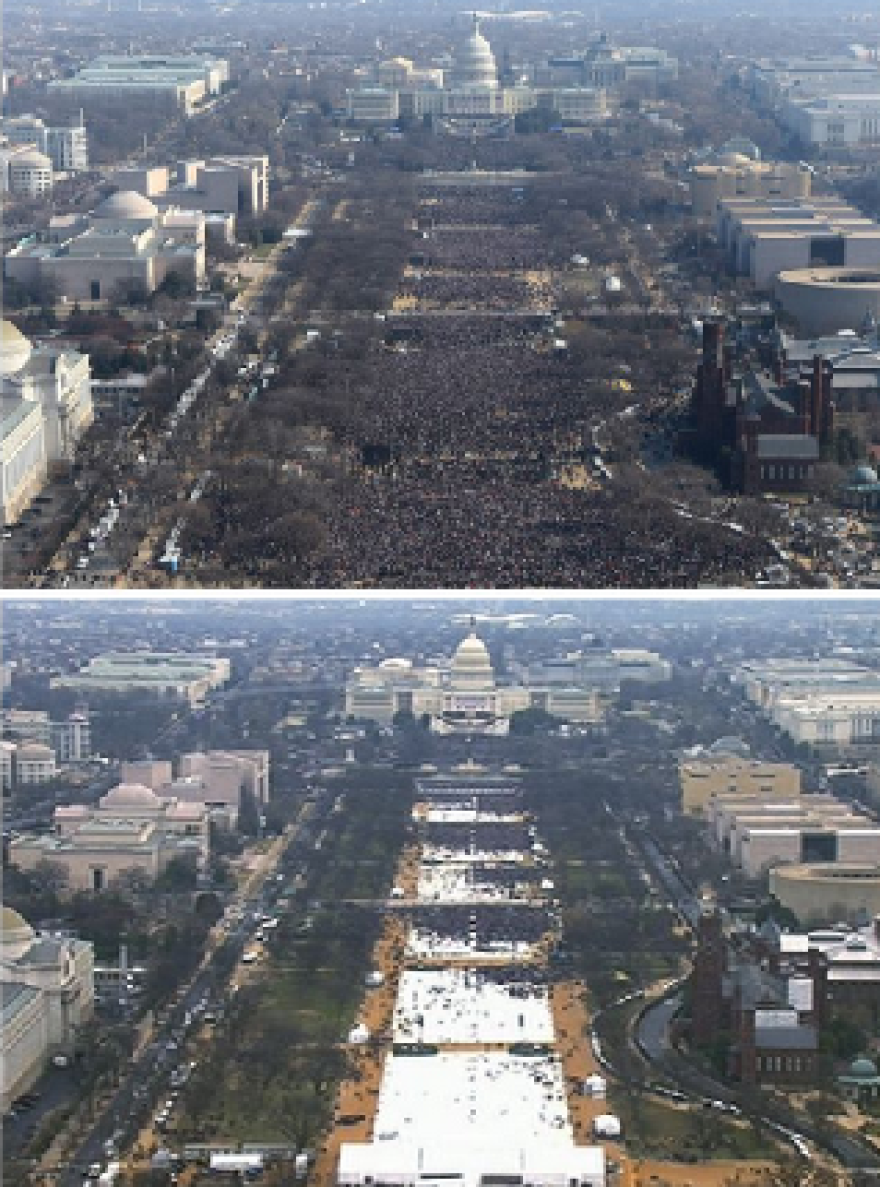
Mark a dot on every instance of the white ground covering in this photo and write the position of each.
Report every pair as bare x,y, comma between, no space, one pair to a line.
470,816
459,1006
445,853
422,942
450,1120
456,882
425,1100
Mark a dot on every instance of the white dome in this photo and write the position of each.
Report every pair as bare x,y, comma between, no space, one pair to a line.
15,932
15,349
130,795
471,653
124,205
32,158
394,664
35,750
471,666
737,159
474,64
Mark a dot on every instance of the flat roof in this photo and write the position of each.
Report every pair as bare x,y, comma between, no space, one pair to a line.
469,1164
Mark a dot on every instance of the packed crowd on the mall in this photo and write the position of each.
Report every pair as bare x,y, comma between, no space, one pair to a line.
485,423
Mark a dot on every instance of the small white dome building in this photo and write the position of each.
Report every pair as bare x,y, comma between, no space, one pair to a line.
15,349
16,935
126,796
126,206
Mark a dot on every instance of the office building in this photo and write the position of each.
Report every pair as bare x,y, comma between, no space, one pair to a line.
762,237
226,775
130,829
216,778
25,172
837,120
125,246
734,175
830,703
46,995
181,675
66,148
70,739
46,406
709,777
823,893
34,764
172,83
218,185
606,65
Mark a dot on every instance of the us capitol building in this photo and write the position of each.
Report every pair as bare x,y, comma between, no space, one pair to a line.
467,99
463,697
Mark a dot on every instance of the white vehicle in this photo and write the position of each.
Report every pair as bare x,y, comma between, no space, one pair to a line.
110,1175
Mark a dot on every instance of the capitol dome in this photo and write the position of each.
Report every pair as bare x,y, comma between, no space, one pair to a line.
474,64
125,205
130,795
471,664
15,349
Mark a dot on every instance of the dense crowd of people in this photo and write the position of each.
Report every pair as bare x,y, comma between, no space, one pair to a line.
475,410
483,927
475,290
489,836
520,248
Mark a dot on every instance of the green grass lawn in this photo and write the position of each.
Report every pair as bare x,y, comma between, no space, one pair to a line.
656,1130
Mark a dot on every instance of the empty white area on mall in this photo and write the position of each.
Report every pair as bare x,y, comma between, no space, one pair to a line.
520,1100
460,882
468,1116
424,943
473,852
471,816
462,1006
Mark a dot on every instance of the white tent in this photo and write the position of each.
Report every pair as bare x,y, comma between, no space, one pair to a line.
240,1163
606,1126
358,1034
595,1085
